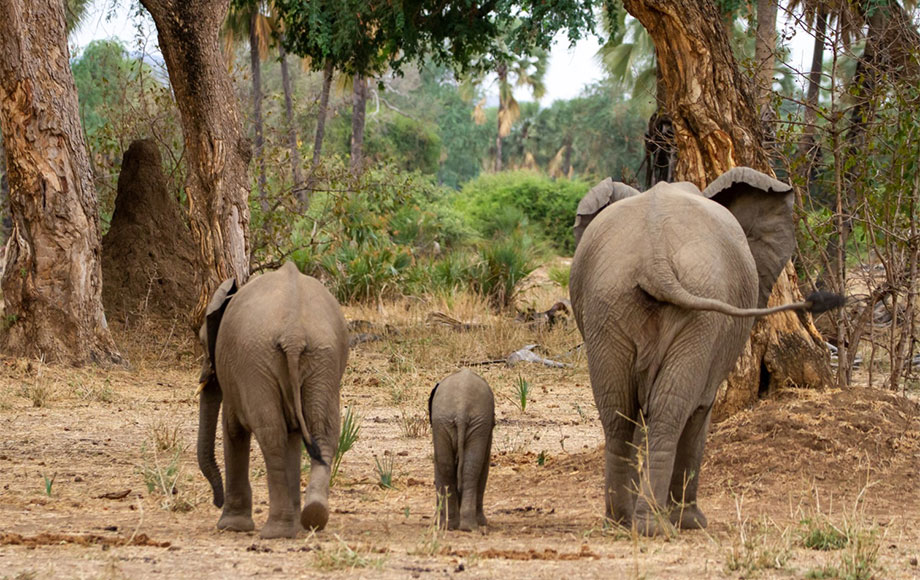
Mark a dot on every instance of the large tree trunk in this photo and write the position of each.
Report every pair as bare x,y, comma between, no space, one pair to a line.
359,107
715,128
296,173
52,286
764,52
258,141
218,154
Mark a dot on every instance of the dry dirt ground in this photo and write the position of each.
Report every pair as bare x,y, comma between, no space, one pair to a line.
85,456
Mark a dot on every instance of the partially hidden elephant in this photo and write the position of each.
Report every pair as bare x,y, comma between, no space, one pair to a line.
275,352
461,409
665,286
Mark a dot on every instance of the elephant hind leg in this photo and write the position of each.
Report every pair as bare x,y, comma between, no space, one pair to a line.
685,512
293,469
481,488
237,511
445,478
281,522
674,397
614,385
475,462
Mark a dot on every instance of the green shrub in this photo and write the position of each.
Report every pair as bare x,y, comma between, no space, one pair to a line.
549,205
365,272
503,263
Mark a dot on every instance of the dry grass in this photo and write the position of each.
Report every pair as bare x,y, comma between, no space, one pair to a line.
544,499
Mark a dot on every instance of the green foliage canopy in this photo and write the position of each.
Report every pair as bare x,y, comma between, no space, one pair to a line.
363,36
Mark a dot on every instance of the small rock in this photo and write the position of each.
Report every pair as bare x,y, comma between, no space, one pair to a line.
460,567
913,561
78,479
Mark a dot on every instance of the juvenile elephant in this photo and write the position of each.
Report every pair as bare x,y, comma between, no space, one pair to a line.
461,409
665,286
275,352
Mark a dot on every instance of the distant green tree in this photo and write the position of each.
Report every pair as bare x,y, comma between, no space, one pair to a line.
594,136
101,73
362,38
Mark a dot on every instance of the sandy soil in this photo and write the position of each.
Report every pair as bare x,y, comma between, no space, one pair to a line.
802,462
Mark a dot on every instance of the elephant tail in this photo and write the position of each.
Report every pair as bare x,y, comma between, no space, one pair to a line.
463,426
293,363
665,287
659,280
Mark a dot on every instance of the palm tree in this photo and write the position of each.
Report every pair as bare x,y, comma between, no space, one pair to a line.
526,70
628,56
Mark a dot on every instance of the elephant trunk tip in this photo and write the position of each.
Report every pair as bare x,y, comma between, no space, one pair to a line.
822,301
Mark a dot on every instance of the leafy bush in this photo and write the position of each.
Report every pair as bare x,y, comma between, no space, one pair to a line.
492,200
503,263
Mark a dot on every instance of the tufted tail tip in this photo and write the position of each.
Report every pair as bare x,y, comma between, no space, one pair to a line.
822,301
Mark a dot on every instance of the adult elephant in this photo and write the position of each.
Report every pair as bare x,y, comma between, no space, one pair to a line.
665,286
275,352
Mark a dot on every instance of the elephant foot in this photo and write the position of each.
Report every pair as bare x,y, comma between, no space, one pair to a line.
279,529
469,525
236,523
314,516
651,524
481,518
688,517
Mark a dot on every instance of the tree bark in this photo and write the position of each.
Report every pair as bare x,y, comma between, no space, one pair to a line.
5,221
359,106
52,285
715,128
764,52
218,154
296,172
258,141
322,113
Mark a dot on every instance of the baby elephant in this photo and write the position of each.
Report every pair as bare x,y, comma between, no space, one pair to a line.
461,409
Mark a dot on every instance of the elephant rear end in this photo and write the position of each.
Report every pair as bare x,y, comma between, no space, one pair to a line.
279,348
462,413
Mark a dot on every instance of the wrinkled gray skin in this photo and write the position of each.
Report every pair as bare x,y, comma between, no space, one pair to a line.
280,345
462,413
665,286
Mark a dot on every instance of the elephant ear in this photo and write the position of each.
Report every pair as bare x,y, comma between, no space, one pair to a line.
597,198
215,312
431,398
763,207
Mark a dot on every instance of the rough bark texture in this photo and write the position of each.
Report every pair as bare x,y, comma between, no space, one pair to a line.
711,107
296,172
52,285
255,63
764,52
359,106
148,257
6,223
218,154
